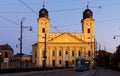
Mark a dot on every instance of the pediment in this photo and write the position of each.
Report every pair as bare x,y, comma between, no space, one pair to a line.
66,38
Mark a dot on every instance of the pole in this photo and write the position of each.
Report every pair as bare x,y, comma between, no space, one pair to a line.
21,29
44,63
21,45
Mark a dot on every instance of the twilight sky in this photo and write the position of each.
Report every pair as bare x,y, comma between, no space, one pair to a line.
65,15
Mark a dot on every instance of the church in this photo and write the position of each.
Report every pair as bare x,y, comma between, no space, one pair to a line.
60,49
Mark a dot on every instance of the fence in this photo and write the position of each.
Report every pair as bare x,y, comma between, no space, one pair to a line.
15,65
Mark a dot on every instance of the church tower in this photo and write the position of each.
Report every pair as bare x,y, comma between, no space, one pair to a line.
43,32
88,25
43,24
88,32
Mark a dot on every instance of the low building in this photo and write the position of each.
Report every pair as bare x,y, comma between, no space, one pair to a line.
6,53
25,57
8,60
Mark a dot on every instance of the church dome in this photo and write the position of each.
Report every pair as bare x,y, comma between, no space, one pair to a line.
43,13
87,14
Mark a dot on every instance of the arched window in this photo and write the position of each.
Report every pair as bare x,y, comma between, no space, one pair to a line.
72,61
60,53
88,30
60,62
53,62
43,30
72,53
66,52
89,53
53,53
6,55
79,53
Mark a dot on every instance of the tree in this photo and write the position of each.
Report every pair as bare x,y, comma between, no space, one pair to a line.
116,58
103,59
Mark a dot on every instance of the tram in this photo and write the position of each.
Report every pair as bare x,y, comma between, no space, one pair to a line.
82,64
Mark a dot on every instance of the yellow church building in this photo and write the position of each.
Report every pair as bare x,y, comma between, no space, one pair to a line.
60,49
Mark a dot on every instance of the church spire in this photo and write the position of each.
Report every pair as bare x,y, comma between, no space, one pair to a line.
43,4
87,13
43,12
87,5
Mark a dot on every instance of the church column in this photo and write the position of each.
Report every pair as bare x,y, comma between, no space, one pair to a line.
62,51
64,55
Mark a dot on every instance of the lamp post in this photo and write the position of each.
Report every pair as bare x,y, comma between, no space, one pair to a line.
20,39
23,18
44,53
116,36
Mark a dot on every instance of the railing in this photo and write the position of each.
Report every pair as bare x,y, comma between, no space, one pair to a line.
16,65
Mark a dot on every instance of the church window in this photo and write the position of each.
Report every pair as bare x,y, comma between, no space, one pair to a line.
72,53
89,53
86,23
60,61
66,52
60,53
90,23
88,30
53,53
72,61
45,22
53,62
43,30
79,53
88,37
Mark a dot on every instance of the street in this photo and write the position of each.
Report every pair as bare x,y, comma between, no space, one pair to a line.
106,72
63,72
67,72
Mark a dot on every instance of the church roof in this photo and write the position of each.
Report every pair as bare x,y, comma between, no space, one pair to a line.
43,12
5,47
87,13
65,38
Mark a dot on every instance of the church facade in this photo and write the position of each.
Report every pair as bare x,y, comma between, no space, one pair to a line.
60,49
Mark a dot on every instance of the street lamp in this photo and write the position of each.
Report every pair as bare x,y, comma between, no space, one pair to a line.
44,53
116,36
20,39
23,18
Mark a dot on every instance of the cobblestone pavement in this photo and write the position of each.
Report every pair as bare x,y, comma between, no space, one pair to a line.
106,72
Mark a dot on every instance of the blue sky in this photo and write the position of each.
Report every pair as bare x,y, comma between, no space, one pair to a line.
64,14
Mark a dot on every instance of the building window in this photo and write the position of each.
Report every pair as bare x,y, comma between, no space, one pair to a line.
53,53
35,54
66,52
43,30
79,53
72,61
6,55
89,53
72,53
53,62
90,23
60,53
88,30
60,62
86,23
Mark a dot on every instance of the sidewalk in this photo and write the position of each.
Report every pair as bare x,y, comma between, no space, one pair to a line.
108,72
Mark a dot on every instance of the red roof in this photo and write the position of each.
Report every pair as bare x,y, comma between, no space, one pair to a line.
5,47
